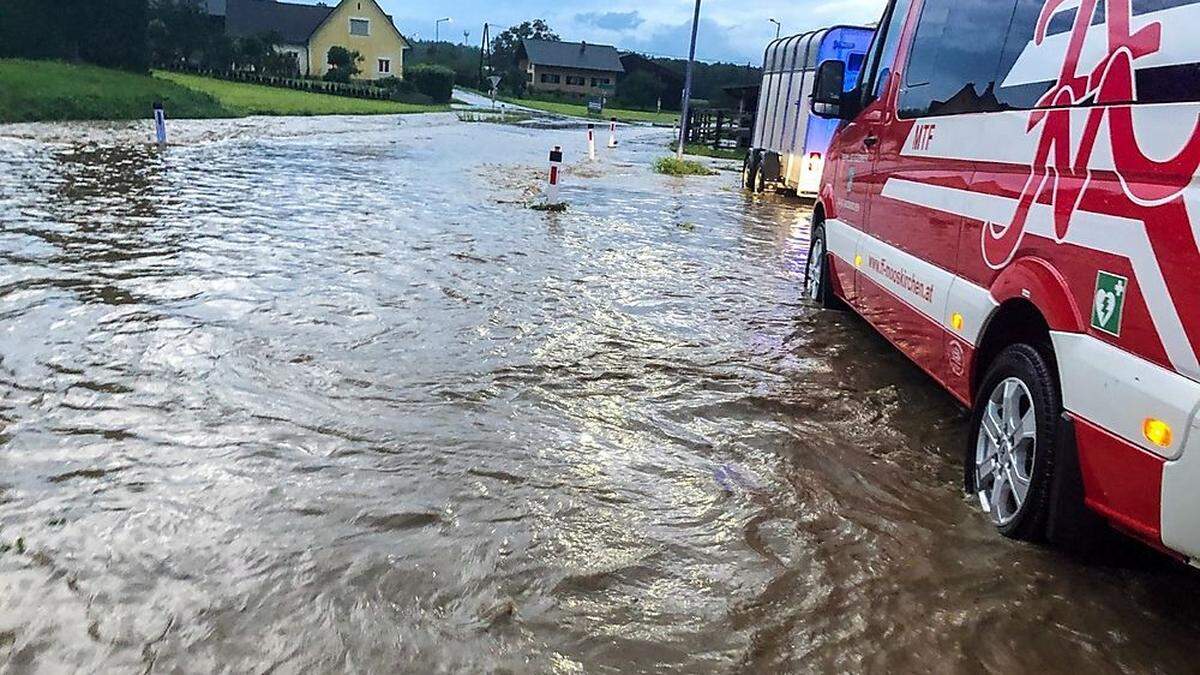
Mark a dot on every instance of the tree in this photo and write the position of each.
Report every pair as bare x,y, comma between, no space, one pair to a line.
110,33
181,32
507,45
252,52
343,64
281,64
641,90
462,59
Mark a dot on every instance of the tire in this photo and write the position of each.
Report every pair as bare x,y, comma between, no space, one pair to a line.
760,184
817,286
1012,455
754,172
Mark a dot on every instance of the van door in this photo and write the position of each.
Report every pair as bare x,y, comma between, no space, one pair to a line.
862,141
946,83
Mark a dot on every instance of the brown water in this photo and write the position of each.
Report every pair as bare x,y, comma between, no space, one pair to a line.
320,395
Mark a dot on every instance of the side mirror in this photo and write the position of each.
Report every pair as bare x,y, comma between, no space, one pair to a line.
829,90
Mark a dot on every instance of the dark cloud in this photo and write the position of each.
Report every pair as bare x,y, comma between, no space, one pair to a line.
611,20
714,44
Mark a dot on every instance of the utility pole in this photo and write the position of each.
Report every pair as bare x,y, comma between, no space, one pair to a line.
485,61
437,28
778,27
687,84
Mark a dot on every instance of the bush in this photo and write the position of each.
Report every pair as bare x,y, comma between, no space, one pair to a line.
396,85
344,64
436,82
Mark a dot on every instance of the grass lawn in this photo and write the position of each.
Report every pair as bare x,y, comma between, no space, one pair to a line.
580,110
34,91
255,99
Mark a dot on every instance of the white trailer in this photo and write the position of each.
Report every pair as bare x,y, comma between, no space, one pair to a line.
789,144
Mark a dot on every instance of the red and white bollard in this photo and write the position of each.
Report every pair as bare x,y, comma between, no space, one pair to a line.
556,158
612,133
592,142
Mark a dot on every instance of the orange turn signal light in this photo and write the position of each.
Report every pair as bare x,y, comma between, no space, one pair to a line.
957,321
1157,432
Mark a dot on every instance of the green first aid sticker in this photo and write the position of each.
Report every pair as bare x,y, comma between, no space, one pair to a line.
1109,302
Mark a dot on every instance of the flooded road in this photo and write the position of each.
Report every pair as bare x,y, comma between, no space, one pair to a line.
323,395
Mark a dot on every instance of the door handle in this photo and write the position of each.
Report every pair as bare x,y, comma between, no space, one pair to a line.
871,141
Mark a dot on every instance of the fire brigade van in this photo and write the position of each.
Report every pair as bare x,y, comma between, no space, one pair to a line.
1011,198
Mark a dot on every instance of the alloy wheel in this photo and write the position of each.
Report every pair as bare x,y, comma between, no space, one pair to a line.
816,269
1005,451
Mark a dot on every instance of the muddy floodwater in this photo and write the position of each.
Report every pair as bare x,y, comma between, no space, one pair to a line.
324,395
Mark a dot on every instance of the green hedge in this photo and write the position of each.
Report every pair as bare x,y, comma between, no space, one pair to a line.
436,82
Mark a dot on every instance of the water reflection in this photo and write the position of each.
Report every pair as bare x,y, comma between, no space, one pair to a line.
320,395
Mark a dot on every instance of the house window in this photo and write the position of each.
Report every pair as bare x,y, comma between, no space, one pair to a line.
360,27
577,81
600,81
551,79
385,65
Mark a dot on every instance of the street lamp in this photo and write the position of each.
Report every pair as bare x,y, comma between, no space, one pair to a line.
778,27
437,28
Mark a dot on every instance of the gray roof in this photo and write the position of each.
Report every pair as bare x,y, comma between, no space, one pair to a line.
294,23
579,55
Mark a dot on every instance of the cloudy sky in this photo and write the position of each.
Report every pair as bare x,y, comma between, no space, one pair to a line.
731,30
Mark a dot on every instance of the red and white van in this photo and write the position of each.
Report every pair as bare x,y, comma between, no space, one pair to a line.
1012,198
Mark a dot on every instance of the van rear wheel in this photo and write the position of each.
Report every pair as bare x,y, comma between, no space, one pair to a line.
1011,458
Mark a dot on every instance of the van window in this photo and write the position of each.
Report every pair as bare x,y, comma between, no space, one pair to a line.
1171,84
955,56
882,57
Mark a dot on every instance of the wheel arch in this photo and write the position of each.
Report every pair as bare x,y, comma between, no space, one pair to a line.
1033,300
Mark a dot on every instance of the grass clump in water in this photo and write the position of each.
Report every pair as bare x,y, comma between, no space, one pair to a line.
671,166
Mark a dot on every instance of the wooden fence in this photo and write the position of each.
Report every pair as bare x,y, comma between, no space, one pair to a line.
727,129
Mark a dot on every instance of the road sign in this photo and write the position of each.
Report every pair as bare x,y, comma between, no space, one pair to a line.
495,80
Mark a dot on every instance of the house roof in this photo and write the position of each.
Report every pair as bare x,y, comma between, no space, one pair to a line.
578,55
390,21
294,23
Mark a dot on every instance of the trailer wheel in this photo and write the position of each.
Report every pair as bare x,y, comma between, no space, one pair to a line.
753,171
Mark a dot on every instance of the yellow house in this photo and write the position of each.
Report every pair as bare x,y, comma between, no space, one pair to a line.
308,32
360,26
